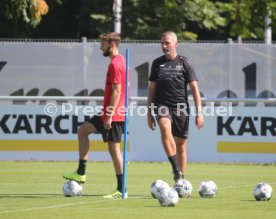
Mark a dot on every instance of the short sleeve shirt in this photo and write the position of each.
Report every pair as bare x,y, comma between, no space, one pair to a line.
116,74
172,78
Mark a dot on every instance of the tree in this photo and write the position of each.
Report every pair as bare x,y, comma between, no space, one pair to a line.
141,19
246,18
75,19
30,11
147,19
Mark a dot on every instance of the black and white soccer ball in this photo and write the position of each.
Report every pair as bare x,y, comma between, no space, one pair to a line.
262,192
72,188
184,188
207,189
157,186
168,197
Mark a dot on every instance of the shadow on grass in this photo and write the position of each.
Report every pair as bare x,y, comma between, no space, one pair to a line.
132,196
93,195
30,195
250,200
61,195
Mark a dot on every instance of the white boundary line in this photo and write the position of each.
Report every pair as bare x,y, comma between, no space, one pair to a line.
62,206
106,200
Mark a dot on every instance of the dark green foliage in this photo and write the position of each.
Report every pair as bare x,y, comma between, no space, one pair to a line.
142,19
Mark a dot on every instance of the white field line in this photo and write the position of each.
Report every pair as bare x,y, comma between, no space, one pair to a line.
108,200
242,185
51,207
61,206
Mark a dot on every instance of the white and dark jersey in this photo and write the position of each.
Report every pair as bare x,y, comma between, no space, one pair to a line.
172,78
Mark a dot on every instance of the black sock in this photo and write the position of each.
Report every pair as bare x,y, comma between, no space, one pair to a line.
119,182
175,166
82,167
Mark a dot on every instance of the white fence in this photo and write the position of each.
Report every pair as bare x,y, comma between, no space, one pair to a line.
231,134
33,74
230,70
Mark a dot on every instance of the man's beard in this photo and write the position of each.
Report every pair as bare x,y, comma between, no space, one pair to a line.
107,52
166,52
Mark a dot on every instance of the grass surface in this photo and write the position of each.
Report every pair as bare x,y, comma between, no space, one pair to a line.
34,190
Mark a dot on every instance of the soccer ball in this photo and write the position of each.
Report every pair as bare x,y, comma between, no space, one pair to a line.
207,189
184,188
262,192
72,188
157,186
168,197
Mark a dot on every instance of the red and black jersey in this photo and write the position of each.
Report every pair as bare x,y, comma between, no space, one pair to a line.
116,74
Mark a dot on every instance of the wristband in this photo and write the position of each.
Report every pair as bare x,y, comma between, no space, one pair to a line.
199,113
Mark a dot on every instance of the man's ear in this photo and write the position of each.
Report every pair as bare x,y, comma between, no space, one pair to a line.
112,44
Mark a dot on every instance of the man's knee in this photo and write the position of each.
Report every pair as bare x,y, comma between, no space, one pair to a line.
165,126
114,148
85,129
181,147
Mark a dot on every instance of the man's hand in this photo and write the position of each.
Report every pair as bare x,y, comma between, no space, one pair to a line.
199,120
151,122
107,122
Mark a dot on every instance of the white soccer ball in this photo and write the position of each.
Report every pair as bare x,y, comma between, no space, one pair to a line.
168,197
184,188
157,186
72,188
207,189
262,192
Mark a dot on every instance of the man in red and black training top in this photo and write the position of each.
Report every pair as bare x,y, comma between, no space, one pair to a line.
111,121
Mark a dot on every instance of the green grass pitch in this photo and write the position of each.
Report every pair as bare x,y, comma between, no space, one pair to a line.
34,190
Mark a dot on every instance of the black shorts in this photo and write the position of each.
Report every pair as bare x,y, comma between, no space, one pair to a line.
113,135
179,120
